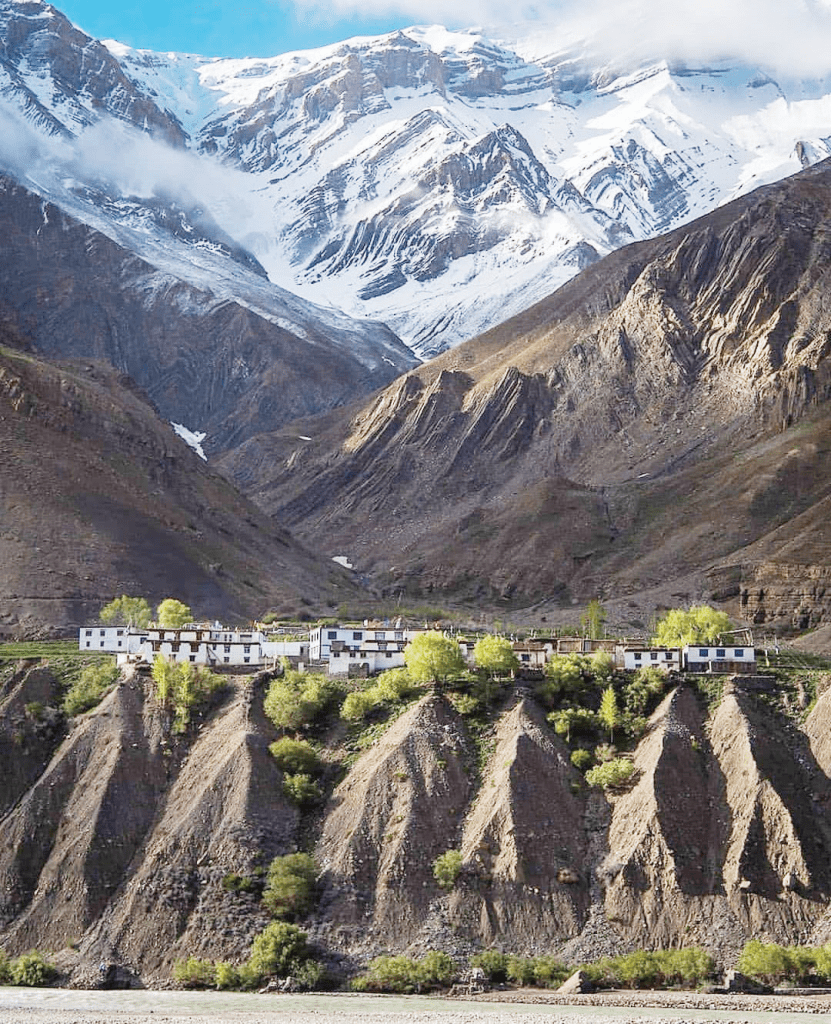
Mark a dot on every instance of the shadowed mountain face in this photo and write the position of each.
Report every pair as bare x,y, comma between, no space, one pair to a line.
660,415
100,498
207,361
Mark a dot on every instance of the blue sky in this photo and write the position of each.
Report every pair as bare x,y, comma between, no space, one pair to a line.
220,28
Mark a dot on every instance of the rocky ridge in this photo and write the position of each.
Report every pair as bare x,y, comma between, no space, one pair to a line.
723,835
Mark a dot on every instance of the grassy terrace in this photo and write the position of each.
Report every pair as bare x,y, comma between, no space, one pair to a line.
46,649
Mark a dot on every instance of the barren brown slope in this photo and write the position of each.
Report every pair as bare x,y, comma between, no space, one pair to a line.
687,373
120,846
99,497
398,809
525,880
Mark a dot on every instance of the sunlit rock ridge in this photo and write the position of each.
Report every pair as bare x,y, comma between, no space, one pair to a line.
437,181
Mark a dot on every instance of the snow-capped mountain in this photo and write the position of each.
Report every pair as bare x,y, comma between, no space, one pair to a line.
437,181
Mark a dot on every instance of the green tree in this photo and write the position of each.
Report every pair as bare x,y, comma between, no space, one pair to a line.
699,624
295,756
290,885
127,611
592,620
495,654
296,699
433,658
609,713
172,614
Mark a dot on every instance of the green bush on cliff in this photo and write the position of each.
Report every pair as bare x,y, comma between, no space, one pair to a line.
194,973
296,700
446,868
290,885
773,964
90,687
611,773
295,756
184,688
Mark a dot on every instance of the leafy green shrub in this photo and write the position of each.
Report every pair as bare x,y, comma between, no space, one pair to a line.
5,968
394,685
581,758
495,655
296,700
302,790
433,658
296,756
183,687
773,964
35,710
564,673
549,972
493,963
659,968
435,969
31,970
226,975
126,611
403,974
290,885
446,868
358,704
464,703
89,688
611,773
278,951
574,720
520,971
195,973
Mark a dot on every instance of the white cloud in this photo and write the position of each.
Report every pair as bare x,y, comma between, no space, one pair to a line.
789,35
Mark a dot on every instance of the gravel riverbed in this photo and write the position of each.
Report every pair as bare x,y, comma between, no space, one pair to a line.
527,1007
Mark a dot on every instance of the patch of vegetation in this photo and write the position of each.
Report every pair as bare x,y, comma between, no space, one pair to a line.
31,970
89,688
402,974
185,689
662,968
232,882
797,965
296,756
611,774
295,701
281,950
302,790
389,688
447,867
290,888
127,611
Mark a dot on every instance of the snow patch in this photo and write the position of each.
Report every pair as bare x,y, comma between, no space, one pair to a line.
194,438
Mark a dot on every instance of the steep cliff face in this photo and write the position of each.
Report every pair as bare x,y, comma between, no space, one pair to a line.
691,371
120,843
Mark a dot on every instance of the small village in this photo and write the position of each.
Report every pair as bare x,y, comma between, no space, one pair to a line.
364,649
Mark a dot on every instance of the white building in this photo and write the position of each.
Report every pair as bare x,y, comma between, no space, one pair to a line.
712,658
359,648
666,658
201,645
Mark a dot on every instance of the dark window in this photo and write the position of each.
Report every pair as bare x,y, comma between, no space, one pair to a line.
331,635
247,648
720,652
637,655
388,654
399,634
740,652
358,635
193,657
246,660
102,632
226,660
227,648
654,655
88,632
526,657
87,643
119,632
703,652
